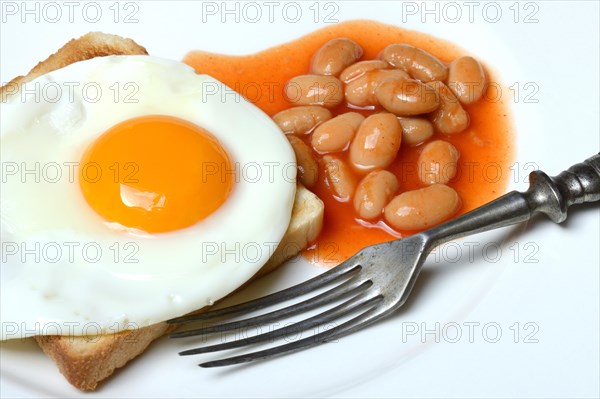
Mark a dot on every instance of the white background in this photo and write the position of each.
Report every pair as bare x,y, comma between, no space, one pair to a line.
546,275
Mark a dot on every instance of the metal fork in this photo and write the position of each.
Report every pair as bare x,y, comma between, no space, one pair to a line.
377,280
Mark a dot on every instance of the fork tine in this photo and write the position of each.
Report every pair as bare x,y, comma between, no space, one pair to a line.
348,287
343,269
327,316
367,317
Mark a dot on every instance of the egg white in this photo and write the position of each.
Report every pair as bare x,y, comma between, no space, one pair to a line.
139,279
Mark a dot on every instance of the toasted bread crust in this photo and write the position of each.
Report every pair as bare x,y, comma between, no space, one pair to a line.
91,45
85,361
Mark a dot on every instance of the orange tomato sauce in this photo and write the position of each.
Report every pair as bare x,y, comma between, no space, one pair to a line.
486,147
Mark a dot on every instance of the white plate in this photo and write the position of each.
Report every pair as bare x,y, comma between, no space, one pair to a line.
518,318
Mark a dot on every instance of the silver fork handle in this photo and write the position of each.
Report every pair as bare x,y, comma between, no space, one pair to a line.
549,195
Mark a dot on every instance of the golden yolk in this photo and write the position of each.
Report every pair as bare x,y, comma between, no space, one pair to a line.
155,173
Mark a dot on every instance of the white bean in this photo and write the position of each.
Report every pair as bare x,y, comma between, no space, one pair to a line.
438,162
360,68
466,79
423,208
334,56
376,143
417,62
373,192
337,133
308,170
339,178
407,97
314,90
450,117
361,92
415,130
301,120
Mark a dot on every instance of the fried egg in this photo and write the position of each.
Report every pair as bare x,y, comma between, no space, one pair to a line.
133,191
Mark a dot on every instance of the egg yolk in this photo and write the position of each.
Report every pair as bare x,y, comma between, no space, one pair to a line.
156,173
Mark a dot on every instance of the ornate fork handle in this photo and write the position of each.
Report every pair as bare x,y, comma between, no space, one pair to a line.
549,195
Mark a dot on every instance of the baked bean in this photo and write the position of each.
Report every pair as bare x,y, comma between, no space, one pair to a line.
308,170
361,91
339,178
450,117
314,90
337,133
373,193
466,79
438,162
415,130
334,56
418,63
360,68
423,208
376,143
407,97
301,120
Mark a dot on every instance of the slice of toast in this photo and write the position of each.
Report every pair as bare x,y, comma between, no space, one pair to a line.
91,45
86,361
